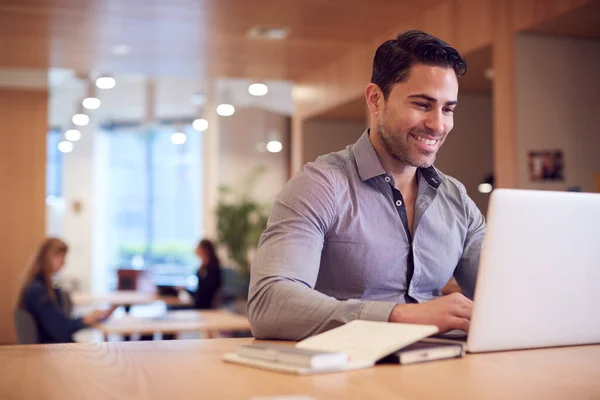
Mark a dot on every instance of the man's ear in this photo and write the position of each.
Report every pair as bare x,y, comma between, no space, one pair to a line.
374,97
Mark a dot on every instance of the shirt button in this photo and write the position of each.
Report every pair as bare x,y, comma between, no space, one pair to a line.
387,179
398,203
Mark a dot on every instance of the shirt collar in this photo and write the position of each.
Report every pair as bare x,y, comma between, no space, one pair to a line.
369,166
367,162
432,177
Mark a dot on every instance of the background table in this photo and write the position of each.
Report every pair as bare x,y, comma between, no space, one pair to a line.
123,298
175,322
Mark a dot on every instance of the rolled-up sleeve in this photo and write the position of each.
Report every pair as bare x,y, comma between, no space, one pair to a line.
468,266
282,302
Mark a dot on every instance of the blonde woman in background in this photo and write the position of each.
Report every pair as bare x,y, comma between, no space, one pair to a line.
44,301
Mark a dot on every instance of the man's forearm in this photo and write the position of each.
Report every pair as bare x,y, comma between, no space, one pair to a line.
283,309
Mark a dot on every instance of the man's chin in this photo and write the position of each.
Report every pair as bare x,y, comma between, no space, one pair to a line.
419,160
423,162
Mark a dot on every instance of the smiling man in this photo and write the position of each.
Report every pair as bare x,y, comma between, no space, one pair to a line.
375,231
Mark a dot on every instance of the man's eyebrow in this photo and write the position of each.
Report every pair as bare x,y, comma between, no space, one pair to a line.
430,99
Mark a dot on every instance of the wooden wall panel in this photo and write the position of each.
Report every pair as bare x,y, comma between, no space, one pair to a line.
23,118
297,150
504,96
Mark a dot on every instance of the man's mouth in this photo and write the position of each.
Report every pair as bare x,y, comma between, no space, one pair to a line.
426,140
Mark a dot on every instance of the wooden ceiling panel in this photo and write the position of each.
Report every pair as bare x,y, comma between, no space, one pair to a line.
582,22
183,37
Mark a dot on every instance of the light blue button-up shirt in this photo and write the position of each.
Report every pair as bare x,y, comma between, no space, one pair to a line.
336,247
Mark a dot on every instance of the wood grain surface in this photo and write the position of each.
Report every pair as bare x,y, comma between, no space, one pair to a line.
193,370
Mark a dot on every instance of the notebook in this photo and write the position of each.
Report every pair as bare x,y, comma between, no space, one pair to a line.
294,355
363,342
429,349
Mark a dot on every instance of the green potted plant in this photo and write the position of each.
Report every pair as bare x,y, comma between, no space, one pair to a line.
240,221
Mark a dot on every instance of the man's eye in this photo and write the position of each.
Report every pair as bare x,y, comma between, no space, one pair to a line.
422,105
449,110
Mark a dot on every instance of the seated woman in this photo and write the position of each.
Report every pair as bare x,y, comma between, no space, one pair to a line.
209,276
44,301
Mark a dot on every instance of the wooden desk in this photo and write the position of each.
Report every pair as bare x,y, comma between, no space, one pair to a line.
207,321
122,298
189,369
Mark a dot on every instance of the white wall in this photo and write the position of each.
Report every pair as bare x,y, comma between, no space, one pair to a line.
467,154
323,136
77,226
558,86
240,138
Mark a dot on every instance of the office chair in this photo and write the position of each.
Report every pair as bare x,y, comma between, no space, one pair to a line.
25,327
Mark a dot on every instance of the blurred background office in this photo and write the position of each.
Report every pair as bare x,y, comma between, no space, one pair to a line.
133,129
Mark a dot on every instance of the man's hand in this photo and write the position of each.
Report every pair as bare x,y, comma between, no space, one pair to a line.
446,312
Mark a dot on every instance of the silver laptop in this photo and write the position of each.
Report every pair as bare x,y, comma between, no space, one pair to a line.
539,275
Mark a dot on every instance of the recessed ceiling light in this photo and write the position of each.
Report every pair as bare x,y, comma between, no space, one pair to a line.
72,135
178,138
65,146
91,103
485,188
263,32
200,124
258,89
106,82
274,146
225,110
80,119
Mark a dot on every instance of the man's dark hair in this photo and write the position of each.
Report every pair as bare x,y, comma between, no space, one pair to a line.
394,58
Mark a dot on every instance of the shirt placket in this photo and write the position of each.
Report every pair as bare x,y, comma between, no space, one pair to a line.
398,203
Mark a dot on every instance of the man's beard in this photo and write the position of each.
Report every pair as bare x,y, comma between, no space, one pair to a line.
397,145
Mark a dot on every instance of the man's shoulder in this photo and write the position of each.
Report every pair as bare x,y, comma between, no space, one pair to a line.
335,161
333,165
450,185
321,177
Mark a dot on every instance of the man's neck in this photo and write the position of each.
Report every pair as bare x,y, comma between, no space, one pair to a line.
405,176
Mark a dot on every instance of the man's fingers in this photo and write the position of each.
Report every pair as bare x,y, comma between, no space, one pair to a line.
460,323
462,299
462,312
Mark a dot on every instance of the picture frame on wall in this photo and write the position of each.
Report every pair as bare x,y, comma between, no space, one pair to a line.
546,165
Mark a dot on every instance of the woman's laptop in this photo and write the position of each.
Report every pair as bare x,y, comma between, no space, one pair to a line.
539,275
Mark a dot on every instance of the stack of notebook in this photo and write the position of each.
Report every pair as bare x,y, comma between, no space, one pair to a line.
358,344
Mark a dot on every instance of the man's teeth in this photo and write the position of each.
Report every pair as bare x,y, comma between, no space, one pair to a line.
430,142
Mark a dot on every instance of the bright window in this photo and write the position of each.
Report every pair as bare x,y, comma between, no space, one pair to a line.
154,202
